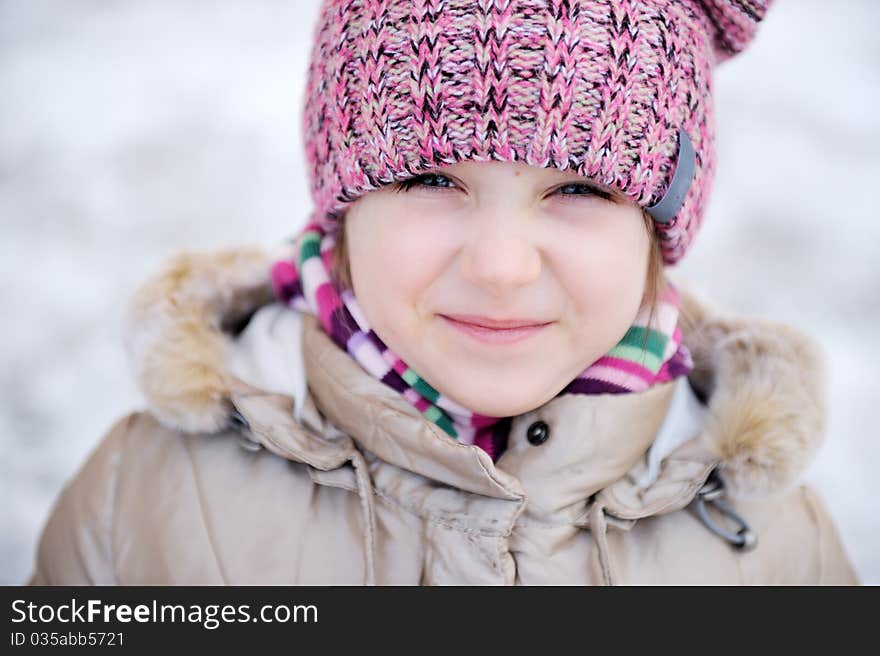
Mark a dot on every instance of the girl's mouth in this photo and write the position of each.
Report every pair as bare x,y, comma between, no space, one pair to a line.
489,335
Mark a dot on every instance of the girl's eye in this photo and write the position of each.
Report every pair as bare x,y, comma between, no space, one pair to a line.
432,181
436,182
576,189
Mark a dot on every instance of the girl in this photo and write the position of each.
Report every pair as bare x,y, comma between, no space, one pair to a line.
470,367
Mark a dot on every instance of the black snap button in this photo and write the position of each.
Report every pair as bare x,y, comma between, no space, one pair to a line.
538,433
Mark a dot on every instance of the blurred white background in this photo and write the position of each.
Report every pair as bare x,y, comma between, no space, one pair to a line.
130,130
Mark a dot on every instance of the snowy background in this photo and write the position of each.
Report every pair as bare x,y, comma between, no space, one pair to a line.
130,130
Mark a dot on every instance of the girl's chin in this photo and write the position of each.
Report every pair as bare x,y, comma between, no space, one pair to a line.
479,403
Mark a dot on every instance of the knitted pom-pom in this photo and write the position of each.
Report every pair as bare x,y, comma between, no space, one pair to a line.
735,22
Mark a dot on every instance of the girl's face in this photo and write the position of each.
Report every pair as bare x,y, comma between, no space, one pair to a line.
496,243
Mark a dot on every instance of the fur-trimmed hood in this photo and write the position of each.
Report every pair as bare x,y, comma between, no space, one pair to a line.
763,382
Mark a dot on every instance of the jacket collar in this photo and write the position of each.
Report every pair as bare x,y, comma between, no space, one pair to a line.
383,422
762,382
594,440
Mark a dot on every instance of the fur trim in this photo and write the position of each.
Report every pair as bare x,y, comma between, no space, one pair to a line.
177,333
764,382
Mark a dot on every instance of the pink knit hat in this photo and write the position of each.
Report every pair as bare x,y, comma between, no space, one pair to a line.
616,90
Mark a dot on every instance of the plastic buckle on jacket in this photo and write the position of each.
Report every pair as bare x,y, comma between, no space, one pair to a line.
744,539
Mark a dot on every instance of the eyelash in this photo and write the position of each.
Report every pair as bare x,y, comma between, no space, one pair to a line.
418,180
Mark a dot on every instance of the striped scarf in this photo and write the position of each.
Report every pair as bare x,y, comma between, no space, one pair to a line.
303,282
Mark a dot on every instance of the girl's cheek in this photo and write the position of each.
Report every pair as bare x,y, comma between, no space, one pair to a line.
595,267
420,246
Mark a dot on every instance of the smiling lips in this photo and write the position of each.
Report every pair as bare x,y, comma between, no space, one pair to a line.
495,331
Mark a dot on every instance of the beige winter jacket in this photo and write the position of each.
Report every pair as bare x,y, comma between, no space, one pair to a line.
268,456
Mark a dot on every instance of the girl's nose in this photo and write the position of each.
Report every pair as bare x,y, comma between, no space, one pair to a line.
499,253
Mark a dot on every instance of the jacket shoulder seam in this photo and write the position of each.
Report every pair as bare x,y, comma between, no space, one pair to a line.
126,425
199,495
810,503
